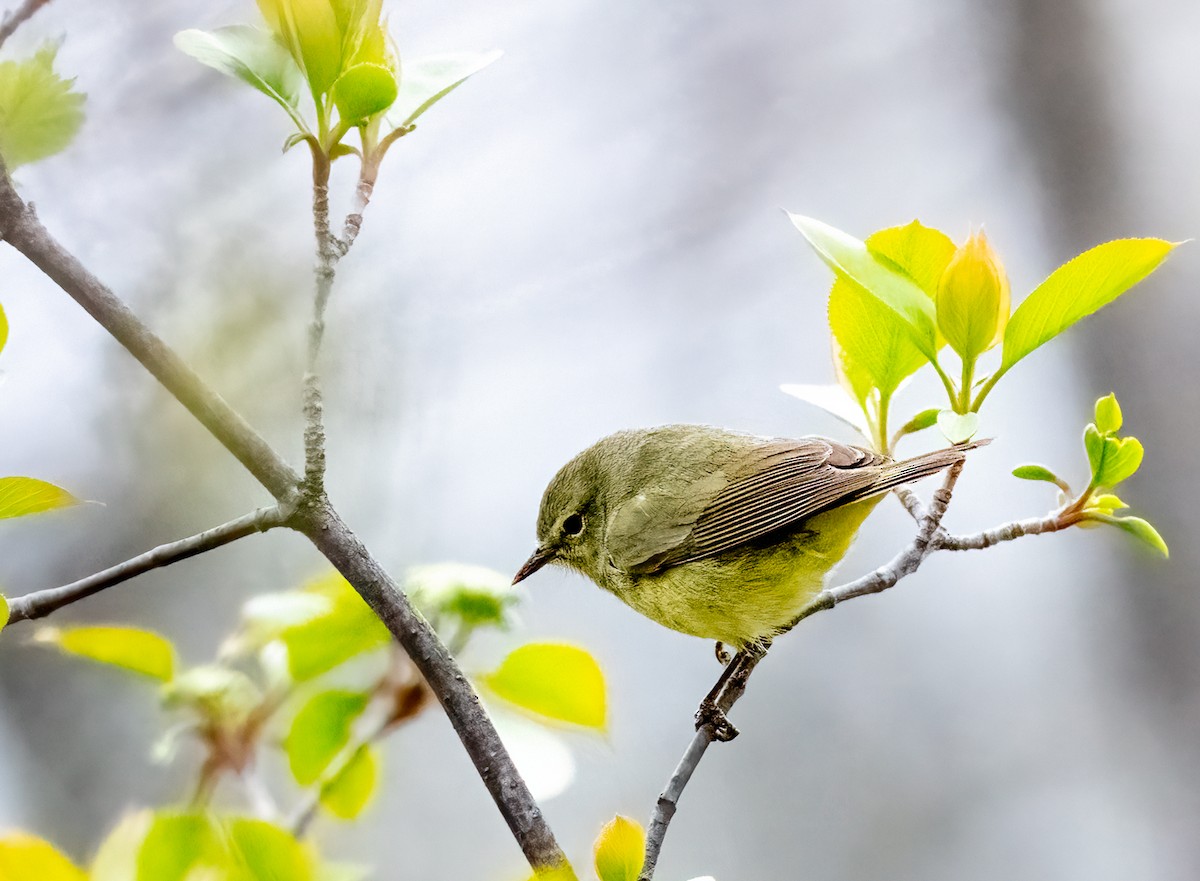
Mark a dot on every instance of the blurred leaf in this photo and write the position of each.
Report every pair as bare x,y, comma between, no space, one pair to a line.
554,680
342,872
27,858
320,730
1135,526
425,81
3,611
475,595
267,615
347,794
39,114
973,300
160,846
364,90
958,427
219,693
251,55
21,496
265,852
348,629
544,761
923,420
1077,289
1036,472
852,261
1108,414
1121,459
833,399
620,849
129,648
3,329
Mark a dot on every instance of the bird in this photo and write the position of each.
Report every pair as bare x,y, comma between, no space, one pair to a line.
711,532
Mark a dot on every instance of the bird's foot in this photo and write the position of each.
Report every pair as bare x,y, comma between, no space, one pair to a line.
713,718
723,656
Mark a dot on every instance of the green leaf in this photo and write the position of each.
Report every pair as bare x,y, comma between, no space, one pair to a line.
554,680
958,427
852,261
425,81
833,399
1037,472
872,337
347,794
1107,503
919,251
129,648
923,420
265,852
251,55
39,114
364,90
309,29
973,301
620,849
1093,443
1108,414
320,730
1077,289
1135,526
475,596
1121,459
27,858
218,693
3,329
348,629
3,612
22,496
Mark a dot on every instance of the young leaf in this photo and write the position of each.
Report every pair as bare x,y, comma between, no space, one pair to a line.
958,427
265,852
129,648
922,252
219,694
923,420
833,399
620,849
1135,526
26,858
309,29
364,90
347,794
1077,289
852,261
475,596
320,730
162,845
251,55
554,680
973,299
1107,503
1108,414
21,496
425,81
872,337
348,629
1037,472
1093,443
39,114
3,328
1121,459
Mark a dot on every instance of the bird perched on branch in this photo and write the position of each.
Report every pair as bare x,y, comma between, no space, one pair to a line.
711,532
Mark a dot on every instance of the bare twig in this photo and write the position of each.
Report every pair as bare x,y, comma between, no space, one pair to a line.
41,603
327,257
1007,532
17,17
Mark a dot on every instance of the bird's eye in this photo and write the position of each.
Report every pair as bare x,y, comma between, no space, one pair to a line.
573,525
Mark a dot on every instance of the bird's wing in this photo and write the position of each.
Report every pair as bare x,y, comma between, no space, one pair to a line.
764,488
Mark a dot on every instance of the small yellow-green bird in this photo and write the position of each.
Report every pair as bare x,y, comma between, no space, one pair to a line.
711,532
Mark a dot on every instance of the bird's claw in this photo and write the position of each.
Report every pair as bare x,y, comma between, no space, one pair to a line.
713,718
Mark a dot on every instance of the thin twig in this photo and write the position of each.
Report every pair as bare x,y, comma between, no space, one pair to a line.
1007,532
42,602
17,17
327,257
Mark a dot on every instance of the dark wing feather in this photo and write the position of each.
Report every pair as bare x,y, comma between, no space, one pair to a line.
779,484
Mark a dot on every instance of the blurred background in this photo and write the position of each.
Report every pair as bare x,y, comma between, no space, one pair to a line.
588,236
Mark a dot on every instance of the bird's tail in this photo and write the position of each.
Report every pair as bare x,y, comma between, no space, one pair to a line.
910,470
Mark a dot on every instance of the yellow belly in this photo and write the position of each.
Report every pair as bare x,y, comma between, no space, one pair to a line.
744,595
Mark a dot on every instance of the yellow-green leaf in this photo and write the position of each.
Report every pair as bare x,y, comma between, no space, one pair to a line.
920,251
473,596
251,55
3,329
958,427
21,496
216,692
973,299
1108,414
3,611
364,90
1135,526
425,81
347,794
851,260
265,852
349,628
1036,472
1121,458
620,849
554,680
309,29
39,114
129,648
1077,289
320,730
28,858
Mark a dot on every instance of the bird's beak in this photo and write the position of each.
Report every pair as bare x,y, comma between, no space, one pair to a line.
536,561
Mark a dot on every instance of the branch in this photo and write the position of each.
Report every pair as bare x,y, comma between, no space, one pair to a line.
327,257
41,603
17,17
1006,532
20,227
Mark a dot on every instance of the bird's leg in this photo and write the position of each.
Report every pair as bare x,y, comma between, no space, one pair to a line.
723,656
710,715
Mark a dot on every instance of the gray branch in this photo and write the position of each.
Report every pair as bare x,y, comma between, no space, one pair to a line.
41,603
17,17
